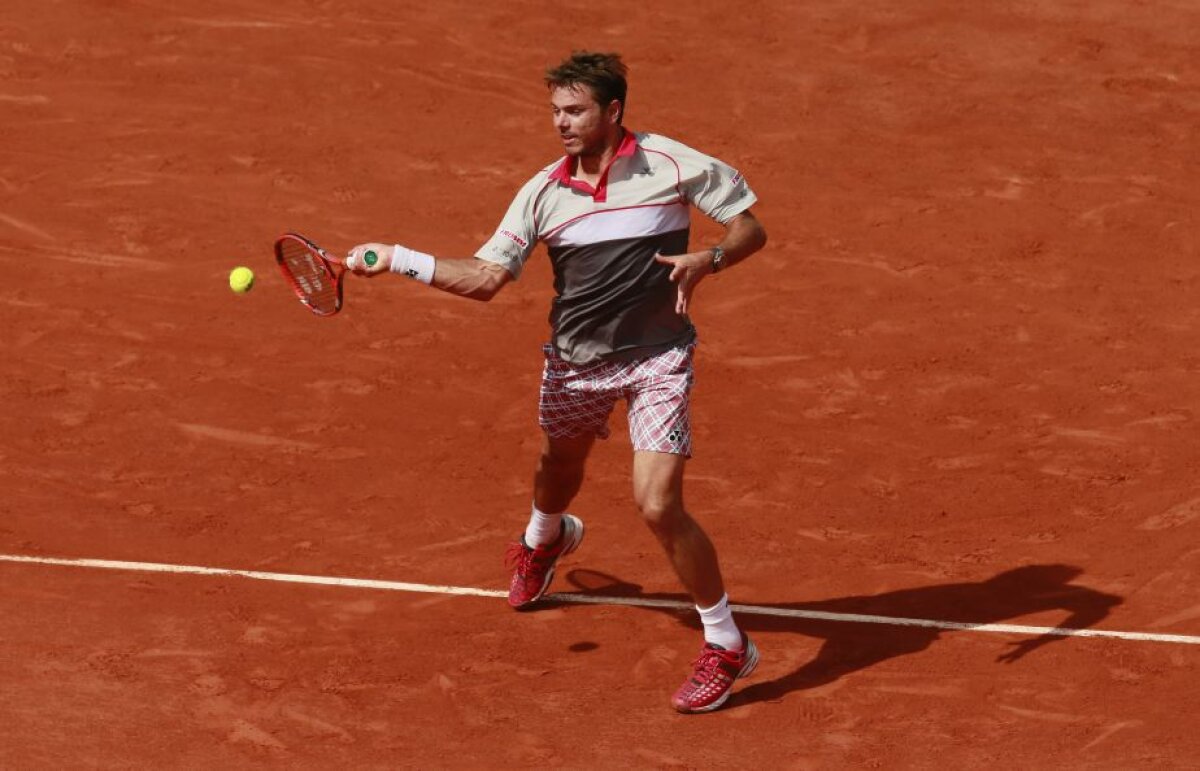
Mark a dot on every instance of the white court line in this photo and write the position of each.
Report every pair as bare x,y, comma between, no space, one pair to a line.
760,610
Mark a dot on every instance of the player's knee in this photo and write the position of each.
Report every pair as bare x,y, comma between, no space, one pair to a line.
663,513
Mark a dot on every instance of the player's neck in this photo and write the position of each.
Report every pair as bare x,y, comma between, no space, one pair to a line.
589,167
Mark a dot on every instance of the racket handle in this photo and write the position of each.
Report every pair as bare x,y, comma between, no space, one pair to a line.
370,258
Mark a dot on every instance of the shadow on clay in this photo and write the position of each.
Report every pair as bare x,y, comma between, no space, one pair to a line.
850,647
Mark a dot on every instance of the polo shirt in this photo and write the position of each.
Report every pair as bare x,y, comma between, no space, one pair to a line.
613,300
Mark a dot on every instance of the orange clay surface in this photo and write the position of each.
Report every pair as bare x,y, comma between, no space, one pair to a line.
972,347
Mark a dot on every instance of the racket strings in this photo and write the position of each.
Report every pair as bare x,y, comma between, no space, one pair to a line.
311,278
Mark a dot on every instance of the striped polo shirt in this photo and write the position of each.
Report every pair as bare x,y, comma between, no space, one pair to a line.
614,302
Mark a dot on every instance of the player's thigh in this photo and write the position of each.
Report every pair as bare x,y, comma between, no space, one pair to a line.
574,403
567,451
660,404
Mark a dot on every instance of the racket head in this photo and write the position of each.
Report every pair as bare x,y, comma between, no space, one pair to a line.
314,276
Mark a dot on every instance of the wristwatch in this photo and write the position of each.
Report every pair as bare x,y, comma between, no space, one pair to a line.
718,257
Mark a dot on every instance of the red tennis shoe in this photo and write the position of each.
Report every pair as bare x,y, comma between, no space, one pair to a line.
713,673
533,569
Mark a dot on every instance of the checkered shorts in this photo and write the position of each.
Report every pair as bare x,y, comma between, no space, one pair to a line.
576,400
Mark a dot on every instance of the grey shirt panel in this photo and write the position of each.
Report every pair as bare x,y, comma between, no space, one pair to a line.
615,302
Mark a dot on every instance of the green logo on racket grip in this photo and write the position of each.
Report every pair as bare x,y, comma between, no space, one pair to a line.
370,258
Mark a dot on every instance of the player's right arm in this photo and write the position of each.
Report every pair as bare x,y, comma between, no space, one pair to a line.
472,278
497,262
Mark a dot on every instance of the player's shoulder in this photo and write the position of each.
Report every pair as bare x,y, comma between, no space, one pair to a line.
680,152
548,169
539,180
652,141
665,143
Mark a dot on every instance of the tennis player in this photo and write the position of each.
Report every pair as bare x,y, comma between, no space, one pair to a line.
614,216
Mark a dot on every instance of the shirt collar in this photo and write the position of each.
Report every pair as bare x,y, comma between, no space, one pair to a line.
566,168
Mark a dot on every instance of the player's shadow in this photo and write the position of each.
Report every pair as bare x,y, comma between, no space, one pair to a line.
849,647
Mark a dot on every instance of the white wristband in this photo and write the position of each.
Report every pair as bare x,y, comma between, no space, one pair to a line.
413,264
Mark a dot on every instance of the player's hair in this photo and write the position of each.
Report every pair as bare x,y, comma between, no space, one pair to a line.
603,73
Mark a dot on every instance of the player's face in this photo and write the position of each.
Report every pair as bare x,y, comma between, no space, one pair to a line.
584,126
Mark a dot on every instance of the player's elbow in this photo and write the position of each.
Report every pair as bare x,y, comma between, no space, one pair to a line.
750,231
490,284
484,293
760,236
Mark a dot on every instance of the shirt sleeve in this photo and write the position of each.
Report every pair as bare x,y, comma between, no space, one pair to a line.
712,186
515,238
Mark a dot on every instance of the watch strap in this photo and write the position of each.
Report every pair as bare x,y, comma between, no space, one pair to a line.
718,258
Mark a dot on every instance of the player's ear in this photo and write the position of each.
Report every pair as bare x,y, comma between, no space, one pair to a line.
614,111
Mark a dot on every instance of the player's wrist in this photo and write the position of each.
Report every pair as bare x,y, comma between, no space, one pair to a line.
719,259
414,264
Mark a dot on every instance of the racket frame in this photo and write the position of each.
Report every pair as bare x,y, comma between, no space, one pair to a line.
331,267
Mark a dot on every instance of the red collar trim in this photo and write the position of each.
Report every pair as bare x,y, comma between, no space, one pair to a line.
627,146
564,172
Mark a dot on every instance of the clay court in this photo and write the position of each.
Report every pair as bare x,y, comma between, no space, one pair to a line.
959,387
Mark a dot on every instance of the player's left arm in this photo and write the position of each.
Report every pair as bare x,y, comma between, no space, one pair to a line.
744,235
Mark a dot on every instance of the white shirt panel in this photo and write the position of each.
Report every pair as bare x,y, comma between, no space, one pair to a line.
615,224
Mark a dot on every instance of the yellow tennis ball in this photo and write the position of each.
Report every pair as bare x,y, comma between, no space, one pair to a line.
241,279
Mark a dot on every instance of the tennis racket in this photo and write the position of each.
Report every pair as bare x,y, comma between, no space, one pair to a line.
313,274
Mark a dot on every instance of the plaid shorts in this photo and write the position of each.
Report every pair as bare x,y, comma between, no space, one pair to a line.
577,400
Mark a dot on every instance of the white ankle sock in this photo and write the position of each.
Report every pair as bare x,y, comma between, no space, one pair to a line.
719,627
543,529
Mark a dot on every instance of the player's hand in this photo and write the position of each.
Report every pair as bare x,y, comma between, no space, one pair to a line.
687,271
358,259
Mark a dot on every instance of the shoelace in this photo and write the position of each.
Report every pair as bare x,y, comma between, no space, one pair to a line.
706,665
518,557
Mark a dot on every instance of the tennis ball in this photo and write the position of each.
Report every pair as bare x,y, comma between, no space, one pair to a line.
241,279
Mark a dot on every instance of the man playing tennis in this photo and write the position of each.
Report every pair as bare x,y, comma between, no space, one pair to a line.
614,215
